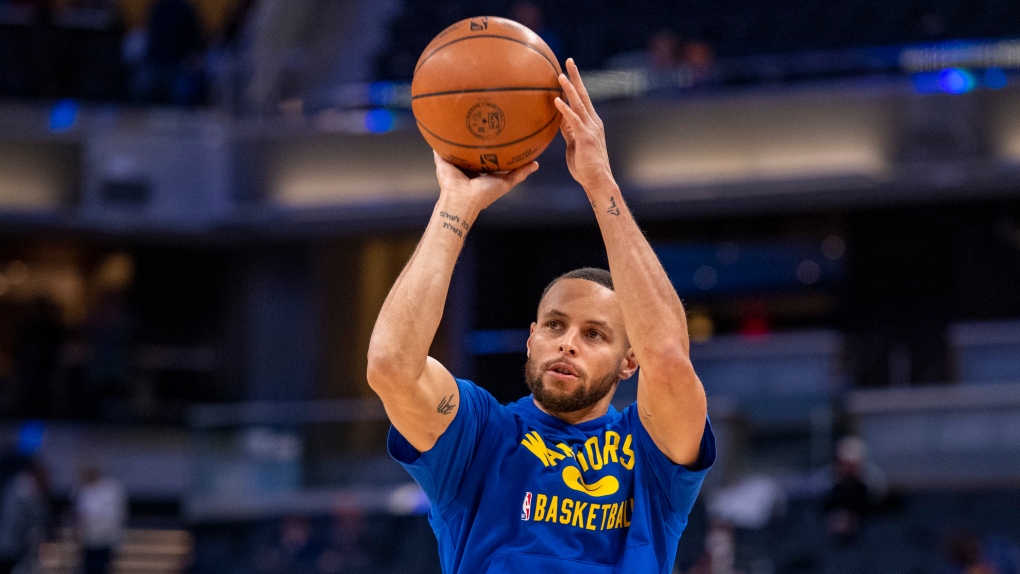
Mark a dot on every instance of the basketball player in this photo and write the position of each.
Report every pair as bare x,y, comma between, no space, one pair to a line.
559,481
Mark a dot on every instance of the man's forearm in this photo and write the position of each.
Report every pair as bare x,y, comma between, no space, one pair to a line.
410,316
671,399
652,310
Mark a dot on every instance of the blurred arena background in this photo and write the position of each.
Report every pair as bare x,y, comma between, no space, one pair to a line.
203,204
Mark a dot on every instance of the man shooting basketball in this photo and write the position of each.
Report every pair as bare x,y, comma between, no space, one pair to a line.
559,481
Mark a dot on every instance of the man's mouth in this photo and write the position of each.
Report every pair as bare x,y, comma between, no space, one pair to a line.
562,371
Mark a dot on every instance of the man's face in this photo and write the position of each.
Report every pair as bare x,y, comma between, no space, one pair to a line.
578,349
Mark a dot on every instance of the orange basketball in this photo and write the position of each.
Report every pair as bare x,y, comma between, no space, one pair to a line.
483,94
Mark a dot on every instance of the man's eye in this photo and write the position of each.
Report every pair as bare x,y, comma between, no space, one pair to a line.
553,324
594,334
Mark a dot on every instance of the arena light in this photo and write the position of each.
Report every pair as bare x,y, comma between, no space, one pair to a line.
344,169
343,187
64,115
34,176
385,93
761,165
1002,54
30,437
27,192
1004,125
956,81
380,121
746,138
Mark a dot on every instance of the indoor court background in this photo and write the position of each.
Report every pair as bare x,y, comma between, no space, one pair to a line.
203,205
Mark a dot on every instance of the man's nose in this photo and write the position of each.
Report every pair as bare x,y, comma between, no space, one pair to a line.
568,342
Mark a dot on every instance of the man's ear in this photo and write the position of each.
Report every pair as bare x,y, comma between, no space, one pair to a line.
530,334
628,364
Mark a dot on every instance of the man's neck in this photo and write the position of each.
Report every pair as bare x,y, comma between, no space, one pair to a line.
584,415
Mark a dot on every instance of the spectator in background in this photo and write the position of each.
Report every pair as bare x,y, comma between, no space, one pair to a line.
742,515
530,14
699,58
669,63
720,552
1003,552
101,511
345,551
224,56
296,552
966,553
231,31
857,489
664,49
24,516
132,52
171,71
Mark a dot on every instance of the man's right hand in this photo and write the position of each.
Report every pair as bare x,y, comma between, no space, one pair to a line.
421,397
477,193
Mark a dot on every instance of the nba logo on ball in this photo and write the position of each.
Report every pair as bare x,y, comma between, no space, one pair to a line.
485,120
526,507
489,161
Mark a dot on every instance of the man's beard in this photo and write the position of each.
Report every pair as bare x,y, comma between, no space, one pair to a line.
585,396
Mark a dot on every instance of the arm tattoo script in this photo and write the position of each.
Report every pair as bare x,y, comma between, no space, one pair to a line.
446,406
613,210
454,219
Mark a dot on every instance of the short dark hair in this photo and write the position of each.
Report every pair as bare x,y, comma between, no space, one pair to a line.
593,274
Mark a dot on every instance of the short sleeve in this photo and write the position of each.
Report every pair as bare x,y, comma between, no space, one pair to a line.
679,483
440,470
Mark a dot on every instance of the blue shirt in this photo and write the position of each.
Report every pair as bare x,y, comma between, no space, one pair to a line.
513,489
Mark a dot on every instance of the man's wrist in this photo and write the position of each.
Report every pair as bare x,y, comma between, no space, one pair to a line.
455,216
463,203
605,197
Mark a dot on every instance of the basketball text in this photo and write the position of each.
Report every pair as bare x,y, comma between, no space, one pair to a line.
584,515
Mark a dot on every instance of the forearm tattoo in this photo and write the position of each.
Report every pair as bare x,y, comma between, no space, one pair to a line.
446,406
454,223
613,210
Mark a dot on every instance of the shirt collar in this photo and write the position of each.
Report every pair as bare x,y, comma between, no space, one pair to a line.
528,407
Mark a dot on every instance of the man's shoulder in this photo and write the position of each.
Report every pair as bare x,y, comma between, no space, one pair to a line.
483,404
473,393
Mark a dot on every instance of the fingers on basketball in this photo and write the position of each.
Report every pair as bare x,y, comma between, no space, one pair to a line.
483,94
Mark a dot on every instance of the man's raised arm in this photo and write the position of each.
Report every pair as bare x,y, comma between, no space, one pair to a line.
419,394
671,400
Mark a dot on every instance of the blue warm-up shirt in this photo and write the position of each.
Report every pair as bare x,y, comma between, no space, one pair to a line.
513,489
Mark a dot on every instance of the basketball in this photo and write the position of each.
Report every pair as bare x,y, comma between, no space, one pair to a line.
483,93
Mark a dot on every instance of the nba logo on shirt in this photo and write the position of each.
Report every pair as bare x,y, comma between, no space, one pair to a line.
526,507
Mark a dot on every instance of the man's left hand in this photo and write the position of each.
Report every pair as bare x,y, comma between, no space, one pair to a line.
584,132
